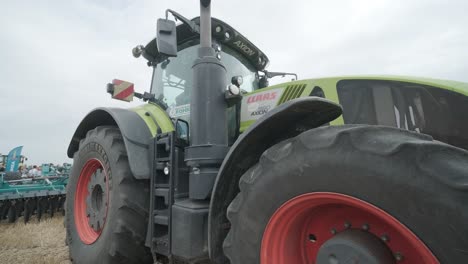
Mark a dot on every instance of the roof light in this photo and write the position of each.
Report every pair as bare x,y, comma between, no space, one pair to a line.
237,80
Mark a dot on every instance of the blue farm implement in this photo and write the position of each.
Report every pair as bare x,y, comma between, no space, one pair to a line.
48,169
31,196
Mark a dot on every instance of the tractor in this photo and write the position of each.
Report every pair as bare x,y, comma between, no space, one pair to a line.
11,163
218,166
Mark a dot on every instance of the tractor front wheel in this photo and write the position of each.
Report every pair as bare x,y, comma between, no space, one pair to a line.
106,207
364,194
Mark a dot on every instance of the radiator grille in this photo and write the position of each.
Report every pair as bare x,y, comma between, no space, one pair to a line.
292,92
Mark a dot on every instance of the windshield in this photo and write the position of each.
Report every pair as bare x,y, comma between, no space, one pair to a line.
172,79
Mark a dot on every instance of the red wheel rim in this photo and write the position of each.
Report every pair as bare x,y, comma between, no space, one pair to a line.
86,233
300,226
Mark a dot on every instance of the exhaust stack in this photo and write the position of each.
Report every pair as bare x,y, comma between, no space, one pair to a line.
208,120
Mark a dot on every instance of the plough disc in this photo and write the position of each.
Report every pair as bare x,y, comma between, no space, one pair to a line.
5,208
12,210
61,205
52,206
28,209
12,213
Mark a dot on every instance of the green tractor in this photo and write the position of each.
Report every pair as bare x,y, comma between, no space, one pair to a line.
219,167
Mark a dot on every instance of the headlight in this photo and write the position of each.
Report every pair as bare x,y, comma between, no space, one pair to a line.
233,89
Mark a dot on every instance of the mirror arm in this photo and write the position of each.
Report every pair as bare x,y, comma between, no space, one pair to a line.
151,98
194,27
270,75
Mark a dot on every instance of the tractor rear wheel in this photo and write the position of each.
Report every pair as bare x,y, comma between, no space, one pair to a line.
368,193
106,207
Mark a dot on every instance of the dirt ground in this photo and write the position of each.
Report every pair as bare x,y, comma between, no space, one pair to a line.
34,243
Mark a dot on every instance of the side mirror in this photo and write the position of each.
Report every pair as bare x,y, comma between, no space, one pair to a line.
121,90
166,37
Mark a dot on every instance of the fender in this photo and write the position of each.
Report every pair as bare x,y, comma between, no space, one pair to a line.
137,126
285,121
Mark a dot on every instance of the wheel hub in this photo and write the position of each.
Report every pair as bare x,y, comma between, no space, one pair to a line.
96,204
354,246
91,201
332,228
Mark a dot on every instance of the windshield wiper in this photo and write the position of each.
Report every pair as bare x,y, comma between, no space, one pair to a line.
263,81
192,25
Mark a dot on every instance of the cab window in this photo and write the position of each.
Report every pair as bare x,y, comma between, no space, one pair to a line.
172,79
425,109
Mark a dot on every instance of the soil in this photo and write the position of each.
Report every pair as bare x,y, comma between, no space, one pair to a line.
34,243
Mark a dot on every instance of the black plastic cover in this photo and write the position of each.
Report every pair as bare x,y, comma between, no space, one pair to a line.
189,229
235,40
135,132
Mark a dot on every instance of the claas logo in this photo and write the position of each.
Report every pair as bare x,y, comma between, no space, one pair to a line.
262,97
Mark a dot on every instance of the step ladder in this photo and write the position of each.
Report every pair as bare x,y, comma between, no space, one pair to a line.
165,186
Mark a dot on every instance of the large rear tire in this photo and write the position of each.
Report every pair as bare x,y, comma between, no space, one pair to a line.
106,207
376,188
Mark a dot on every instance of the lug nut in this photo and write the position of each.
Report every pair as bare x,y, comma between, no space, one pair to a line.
385,238
312,238
365,227
399,256
347,225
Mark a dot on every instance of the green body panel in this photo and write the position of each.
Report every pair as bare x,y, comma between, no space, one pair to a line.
328,85
157,118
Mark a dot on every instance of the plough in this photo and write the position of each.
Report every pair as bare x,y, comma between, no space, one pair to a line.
32,196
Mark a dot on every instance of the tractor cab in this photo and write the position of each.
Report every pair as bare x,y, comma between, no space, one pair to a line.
172,79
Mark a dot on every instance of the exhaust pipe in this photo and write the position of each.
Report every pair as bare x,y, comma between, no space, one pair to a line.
205,23
208,118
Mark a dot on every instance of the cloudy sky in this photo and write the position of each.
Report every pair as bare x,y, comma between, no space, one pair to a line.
57,56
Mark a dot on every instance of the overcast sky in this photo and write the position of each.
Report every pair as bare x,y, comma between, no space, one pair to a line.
57,56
